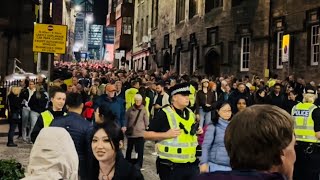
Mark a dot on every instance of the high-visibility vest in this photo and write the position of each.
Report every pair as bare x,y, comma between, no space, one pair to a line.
192,96
303,122
181,149
147,105
129,96
47,118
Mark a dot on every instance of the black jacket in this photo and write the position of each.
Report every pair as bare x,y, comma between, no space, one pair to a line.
39,124
15,105
276,100
123,170
235,96
38,105
80,130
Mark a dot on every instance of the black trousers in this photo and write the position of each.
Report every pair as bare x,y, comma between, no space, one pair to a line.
12,129
187,171
307,164
138,144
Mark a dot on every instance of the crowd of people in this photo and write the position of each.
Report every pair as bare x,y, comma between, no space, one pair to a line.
221,127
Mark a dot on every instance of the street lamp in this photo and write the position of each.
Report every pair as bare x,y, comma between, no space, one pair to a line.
77,8
89,19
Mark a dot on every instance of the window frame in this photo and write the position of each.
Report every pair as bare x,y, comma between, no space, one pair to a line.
195,10
243,52
279,49
315,42
180,11
127,25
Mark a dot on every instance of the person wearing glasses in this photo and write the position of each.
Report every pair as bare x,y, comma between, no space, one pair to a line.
214,154
175,128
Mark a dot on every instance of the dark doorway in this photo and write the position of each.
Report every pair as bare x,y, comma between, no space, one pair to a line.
178,63
191,61
212,64
166,61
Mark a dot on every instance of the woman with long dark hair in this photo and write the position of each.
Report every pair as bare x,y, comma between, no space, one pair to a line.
214,155
107,141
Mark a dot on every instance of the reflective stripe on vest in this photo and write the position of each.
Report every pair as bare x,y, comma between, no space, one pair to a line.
47,118
192,96
181,149
303,122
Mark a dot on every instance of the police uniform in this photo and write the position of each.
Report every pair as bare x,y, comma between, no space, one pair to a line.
306,124
45,120
176,156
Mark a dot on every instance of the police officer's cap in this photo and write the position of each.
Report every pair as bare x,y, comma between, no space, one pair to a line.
310,91
182,88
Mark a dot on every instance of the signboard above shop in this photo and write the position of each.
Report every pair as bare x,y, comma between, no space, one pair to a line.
50,38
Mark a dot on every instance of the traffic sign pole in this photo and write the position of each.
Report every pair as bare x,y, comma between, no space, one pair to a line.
40,21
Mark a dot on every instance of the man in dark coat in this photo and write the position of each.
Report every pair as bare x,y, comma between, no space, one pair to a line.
240,92
80,130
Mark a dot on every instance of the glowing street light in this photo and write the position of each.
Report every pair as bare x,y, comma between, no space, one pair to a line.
89,19
77,8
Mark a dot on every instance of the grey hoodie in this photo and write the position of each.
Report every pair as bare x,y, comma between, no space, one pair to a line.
53,156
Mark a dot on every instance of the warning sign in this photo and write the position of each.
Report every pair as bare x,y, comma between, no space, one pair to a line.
50,38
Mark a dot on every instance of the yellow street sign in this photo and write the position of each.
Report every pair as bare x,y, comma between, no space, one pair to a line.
50,38
285,48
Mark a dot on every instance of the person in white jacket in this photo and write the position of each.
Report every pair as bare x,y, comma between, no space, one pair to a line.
53,156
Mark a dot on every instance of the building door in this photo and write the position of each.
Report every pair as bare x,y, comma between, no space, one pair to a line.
178,63
212,64
166,61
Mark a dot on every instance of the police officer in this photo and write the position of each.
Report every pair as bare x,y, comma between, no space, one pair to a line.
307,130
58,99
175,129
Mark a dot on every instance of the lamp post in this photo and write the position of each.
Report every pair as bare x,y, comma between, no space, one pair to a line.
88,21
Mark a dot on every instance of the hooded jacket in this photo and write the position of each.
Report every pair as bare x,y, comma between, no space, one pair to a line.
53,156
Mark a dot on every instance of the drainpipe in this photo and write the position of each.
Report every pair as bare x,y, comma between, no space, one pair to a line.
269,38
9,36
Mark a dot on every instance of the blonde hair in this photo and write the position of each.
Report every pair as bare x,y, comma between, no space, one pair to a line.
16,90
138,97
309,98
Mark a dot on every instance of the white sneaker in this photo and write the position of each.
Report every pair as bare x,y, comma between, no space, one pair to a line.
155,153
142,169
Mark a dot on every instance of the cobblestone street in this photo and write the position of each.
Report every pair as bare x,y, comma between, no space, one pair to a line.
21,153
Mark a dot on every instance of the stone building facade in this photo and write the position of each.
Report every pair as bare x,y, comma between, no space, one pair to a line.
217,37
16,35
141,34
300,19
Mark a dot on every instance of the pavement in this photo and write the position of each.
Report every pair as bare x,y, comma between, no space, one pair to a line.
22,152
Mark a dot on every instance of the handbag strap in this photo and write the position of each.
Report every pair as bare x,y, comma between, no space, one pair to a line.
135,121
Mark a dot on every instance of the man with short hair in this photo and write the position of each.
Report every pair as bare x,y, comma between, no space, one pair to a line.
176,130
26,94
160,100
115,103
276,97
260,143
58,98
79,129
240,92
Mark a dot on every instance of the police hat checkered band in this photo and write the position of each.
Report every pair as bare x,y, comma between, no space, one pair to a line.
180,90
310,91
